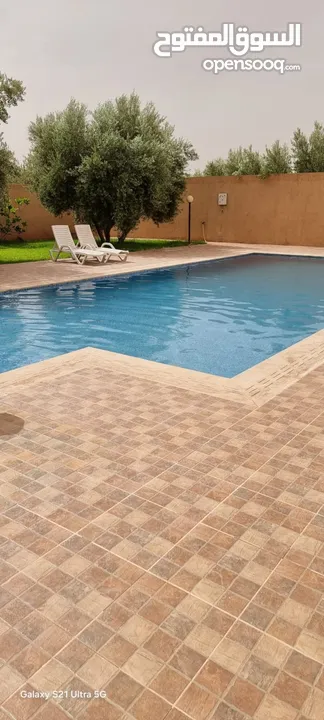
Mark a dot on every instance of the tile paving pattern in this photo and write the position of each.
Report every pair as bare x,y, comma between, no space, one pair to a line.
162,546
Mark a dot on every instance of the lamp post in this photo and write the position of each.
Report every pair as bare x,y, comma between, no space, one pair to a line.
190,201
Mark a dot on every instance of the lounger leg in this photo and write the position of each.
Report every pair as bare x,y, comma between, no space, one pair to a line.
75,257
55,254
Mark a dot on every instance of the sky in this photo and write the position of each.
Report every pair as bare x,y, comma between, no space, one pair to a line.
95,50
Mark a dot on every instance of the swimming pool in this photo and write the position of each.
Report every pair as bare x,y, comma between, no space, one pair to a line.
219,317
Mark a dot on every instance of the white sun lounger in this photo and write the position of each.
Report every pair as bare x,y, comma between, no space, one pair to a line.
64,243
87,240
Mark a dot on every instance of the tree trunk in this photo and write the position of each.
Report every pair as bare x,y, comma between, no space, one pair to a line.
122,236
100,233
107,229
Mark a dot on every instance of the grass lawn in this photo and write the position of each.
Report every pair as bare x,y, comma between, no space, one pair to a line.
21,251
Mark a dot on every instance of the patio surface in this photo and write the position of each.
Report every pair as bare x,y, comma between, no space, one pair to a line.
161,540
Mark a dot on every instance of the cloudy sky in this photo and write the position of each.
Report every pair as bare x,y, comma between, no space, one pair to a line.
94,50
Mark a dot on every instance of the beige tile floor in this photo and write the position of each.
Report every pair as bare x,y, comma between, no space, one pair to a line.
161,545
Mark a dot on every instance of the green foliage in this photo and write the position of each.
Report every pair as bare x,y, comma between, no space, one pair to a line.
308,153
112,167
7,169
276,160
59,142
316,148
300,151
215,167
305,155
11,93
234,162
242,161
10,220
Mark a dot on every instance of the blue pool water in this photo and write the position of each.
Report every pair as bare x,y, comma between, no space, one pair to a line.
219,317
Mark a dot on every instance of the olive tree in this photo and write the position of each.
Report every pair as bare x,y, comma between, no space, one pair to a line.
300,151
215,167
276,160
111,167
239,161
11,93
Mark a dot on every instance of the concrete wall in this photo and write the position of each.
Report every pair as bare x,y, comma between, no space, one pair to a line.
283,210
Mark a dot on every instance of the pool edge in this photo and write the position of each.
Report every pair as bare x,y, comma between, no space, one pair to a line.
253,387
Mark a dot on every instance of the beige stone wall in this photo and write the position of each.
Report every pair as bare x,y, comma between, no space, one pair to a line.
283,209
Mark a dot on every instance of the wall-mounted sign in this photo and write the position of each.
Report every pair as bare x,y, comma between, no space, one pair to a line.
222,198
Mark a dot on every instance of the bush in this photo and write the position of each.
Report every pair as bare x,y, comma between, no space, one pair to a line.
10,220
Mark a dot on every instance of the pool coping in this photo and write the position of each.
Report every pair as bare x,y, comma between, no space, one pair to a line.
252,387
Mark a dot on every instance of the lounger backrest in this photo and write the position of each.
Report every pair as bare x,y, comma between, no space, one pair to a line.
63,236
85,235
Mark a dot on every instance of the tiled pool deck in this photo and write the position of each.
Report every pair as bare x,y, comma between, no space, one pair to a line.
162,533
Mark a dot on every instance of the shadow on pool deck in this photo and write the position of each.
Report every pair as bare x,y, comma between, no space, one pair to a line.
10,425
